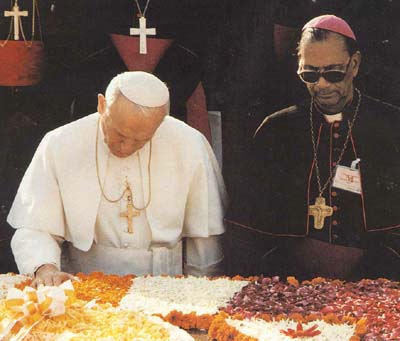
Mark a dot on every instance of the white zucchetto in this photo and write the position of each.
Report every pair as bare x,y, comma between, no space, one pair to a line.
143,89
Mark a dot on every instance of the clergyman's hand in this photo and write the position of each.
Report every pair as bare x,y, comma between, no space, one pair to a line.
48,274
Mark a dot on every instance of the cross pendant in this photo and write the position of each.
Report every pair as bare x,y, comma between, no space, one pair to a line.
320,211
130,213
143,32
16,14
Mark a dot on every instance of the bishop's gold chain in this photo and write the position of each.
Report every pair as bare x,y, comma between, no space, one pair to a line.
351,124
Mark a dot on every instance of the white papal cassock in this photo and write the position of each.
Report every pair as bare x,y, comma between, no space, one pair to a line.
59,200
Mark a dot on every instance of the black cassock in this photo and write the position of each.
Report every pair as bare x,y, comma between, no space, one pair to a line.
269,229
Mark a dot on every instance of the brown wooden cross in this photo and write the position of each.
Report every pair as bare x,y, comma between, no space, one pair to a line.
130,213
320,211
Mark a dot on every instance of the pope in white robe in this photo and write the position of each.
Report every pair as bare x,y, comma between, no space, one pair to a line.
126,190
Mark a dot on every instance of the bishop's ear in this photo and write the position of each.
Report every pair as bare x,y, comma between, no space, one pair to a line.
356,63
101,104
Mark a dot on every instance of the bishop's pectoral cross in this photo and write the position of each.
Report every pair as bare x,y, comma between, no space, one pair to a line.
320,211
16,13
143,32
130,212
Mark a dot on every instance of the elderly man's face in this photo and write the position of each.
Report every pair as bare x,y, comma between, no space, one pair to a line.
125,127
326,55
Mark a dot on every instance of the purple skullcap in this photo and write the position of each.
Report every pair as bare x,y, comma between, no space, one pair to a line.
331,23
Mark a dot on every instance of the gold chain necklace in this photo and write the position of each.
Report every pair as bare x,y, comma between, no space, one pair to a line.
35,12
319,210
127,188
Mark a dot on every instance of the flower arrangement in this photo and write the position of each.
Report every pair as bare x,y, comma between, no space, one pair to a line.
241,328
101,287
50,312
370,307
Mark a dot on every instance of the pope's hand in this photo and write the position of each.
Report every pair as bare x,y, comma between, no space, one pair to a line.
48,274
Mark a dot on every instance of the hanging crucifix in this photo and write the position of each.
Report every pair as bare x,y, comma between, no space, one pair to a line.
143,32
130,212
320,211
16,14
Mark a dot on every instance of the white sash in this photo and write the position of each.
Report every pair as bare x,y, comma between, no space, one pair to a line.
123,261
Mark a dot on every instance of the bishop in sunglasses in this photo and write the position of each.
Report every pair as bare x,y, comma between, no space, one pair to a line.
323,193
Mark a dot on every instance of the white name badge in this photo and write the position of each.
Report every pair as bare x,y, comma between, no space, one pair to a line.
348,178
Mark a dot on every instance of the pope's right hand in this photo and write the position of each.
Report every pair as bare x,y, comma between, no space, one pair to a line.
48,274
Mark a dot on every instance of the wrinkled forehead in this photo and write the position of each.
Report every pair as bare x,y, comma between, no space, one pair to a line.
329,53
122,105
128,115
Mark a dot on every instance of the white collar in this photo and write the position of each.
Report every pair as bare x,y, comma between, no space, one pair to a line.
333,118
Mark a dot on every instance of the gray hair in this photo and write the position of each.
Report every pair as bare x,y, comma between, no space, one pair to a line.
312,34
113,92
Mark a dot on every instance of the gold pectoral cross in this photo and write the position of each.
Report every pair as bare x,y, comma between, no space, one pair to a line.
130,212
320,211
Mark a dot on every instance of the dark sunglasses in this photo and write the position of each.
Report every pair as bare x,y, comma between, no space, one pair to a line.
332,76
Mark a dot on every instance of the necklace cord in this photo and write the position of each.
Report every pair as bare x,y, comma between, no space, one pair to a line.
322,189
35,11
127,188
9,32
142,14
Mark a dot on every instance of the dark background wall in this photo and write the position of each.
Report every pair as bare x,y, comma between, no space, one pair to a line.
234,47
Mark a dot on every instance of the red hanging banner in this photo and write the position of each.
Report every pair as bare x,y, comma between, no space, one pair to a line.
128,49
21,64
